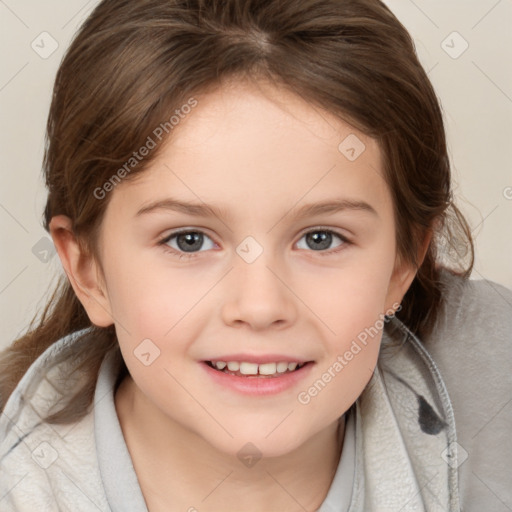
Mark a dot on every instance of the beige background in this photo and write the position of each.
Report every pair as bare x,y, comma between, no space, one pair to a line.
474,86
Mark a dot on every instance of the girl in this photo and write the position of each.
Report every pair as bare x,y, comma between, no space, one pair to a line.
249,199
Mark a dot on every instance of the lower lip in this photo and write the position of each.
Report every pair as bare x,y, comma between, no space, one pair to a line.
253,385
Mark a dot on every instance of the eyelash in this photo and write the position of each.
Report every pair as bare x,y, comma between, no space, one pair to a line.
163,242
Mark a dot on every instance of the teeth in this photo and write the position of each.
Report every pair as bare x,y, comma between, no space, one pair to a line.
268,368
254,369
249,368
282,367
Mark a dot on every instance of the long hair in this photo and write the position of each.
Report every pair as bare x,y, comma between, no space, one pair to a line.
133,63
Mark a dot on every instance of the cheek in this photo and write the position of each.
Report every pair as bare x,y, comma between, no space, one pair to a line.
339,382
351,298
149,300
351,355
353,309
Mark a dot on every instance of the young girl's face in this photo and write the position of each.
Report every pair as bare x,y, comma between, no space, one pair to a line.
263,272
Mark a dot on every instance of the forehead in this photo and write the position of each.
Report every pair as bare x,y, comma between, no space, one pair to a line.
257,117
258,146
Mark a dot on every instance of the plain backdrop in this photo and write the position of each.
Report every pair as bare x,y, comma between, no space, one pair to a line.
465,45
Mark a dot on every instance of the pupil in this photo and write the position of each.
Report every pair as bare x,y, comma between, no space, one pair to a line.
192,241
321,239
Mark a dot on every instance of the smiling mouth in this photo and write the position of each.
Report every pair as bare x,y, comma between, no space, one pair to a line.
264,370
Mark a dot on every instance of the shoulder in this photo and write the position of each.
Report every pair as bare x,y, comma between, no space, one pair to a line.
471,344
474,324
480,303
43,465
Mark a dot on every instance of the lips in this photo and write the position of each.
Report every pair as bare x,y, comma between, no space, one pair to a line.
257,384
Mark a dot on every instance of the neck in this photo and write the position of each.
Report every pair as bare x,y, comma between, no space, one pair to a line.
179,469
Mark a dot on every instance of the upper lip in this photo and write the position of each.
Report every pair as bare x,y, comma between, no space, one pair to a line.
260,359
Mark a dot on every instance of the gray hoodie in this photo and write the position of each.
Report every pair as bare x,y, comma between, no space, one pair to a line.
430,432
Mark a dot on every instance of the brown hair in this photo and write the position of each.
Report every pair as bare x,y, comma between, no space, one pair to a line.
132,63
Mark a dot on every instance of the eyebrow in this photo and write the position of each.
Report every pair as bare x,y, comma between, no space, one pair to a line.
205,210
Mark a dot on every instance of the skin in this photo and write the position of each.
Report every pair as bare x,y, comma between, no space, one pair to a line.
259,153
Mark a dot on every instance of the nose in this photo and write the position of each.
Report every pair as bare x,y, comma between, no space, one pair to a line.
257,295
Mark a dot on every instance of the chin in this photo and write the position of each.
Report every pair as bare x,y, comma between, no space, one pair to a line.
253,443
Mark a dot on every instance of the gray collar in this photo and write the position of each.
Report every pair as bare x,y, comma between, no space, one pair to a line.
406,445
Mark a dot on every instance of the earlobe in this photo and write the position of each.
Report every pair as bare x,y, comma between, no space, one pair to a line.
82,271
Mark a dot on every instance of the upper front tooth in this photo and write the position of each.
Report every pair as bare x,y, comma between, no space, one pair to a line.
248,368
268,368
282,367
254,368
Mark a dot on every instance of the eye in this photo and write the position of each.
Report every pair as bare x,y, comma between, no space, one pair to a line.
186,244
182,242
321,239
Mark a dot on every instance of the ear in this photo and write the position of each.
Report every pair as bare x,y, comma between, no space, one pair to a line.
404,274
83,272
